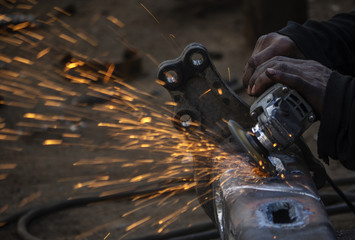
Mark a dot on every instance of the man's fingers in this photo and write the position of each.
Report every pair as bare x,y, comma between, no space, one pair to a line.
255,61
262,83
290,80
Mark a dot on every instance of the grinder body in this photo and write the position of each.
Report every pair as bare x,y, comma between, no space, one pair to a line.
282,115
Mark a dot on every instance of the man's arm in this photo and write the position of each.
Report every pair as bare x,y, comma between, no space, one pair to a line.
331,94
336,136
331,42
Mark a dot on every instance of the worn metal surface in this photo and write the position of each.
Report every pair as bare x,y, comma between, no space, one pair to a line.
282,207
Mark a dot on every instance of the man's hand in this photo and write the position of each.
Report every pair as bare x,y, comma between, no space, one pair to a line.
267,47
309,78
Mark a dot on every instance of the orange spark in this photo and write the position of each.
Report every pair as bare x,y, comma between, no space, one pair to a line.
107,236
150,13
5,59
3,176
61,11
116,21
32,34
220,92
109,73
71,135
146,120
24,6
52,142
20,26
23,60
67,38
171,103
29,198
12,41
71,65
7,166
136,224
43,52
229,74
203,94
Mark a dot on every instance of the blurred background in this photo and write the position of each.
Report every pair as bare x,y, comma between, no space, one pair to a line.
81,112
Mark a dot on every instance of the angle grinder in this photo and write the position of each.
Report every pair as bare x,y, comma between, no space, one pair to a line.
282,116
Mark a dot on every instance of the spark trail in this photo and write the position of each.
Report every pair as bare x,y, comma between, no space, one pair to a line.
58,98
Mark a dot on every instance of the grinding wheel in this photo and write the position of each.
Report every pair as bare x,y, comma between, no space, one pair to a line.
261,160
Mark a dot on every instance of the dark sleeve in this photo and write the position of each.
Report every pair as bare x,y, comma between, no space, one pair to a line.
336,136
331,42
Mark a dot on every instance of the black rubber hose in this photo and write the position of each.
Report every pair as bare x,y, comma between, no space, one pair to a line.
329,198
211,234
344,181
186,233
26,216
338,209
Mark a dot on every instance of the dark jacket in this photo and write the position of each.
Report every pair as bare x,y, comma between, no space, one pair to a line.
332,43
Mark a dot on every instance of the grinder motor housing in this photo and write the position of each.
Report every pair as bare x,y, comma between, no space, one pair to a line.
282,116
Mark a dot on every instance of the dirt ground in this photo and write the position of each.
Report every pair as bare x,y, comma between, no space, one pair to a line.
59,141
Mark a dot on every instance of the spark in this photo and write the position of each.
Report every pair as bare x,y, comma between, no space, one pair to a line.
107,236
71,135
146,120
61,11
171,103
12,41
24,6
220,92
5,59
43,53
52,142
7,166
3,176
32,34
150,13
151,58
68,38
229,74
23,60
20,26
71,65
29,199
203,94
4,208
109,72
136,224
116,21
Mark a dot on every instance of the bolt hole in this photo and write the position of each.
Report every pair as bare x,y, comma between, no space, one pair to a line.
171,76
197,59
186,120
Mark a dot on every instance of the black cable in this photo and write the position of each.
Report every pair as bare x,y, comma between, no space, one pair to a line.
315,165
340,193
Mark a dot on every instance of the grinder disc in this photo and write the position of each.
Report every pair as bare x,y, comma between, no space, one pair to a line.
240,135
